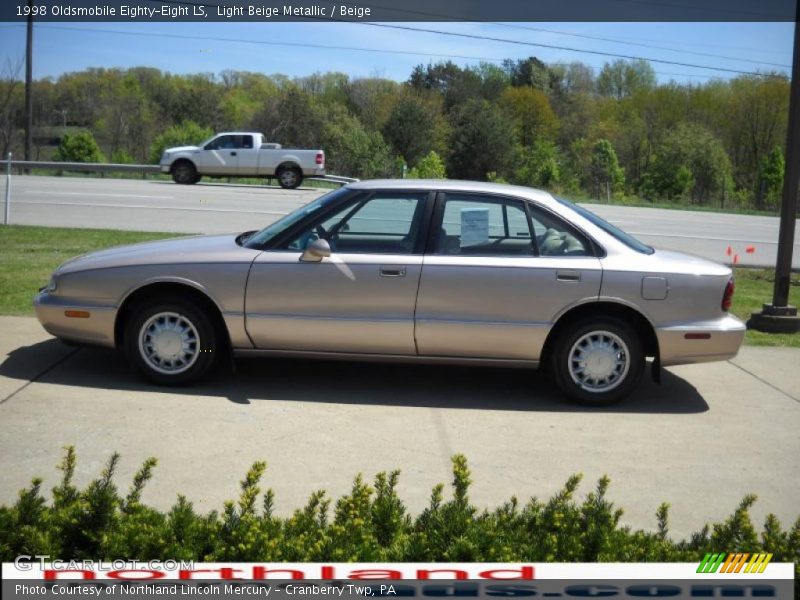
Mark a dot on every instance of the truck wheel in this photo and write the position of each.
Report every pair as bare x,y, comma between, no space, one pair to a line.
290,177
185,173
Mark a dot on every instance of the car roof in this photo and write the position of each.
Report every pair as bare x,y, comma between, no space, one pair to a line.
452,185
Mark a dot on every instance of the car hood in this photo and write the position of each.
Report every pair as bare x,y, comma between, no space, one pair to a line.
195,249
182,149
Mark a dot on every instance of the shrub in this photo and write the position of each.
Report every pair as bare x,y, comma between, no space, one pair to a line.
79,147
370,523
186,133
429,166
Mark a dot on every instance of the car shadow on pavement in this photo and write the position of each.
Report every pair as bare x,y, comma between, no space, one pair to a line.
337,382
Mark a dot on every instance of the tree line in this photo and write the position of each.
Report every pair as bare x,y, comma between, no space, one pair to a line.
562,127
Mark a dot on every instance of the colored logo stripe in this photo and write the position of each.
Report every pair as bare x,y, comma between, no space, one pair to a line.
724,562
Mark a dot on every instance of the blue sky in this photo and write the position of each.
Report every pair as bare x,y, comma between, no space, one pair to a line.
65,47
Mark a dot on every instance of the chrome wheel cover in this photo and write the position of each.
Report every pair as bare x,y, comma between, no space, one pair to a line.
599,361
169,343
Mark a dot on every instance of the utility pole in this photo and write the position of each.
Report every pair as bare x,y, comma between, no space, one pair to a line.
780,316
29,85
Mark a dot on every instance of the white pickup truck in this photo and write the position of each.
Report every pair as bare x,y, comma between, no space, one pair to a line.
242,154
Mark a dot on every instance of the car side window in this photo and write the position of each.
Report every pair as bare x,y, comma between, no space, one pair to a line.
224,142
483,226
381,224
555,237
247,142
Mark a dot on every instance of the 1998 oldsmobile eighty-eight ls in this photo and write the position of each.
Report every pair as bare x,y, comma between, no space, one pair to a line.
434,271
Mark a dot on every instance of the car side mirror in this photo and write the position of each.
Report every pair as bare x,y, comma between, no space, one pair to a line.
316,251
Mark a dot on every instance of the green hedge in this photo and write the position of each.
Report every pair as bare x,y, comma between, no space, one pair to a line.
371,523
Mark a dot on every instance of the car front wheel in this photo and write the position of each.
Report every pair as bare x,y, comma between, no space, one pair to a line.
598,361
170,342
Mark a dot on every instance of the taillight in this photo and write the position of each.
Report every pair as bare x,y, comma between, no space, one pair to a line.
320,158
727,297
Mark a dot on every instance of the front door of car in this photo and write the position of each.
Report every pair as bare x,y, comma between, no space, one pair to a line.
220,156
361,298
491,288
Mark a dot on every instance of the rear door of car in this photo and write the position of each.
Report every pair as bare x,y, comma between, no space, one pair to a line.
486,289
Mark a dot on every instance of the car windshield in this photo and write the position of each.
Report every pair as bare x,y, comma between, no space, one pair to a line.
260,238
617,233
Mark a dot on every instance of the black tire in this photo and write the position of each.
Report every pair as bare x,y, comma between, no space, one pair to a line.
185,173
289,178
616,341
201,341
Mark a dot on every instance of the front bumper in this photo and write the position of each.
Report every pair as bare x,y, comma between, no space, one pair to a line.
703,341
97,329
166,168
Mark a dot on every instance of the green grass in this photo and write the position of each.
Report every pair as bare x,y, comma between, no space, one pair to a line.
753,288
29,254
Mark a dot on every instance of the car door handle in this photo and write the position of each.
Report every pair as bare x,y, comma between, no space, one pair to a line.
392,271
568,275
233,153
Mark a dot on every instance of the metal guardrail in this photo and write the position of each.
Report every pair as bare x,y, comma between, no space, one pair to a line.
107,168
84,167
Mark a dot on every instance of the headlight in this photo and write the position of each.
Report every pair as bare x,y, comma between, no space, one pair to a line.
52,285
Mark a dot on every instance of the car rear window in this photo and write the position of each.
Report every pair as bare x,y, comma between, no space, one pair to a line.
615,232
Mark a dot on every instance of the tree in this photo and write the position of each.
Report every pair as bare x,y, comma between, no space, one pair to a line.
690,163
410,127
480,141
530,111
79,147
187,133
530,72
623,78
353,151
607,176
430,166
772,172
539,165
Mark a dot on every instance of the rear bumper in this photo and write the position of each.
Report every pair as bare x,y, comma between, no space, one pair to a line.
97,329
703,341
314,172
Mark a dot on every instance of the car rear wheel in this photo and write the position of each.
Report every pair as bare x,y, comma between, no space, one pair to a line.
185,173
597,361
290,177
171,342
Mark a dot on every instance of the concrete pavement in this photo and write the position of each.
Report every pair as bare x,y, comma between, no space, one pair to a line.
222,208
703,439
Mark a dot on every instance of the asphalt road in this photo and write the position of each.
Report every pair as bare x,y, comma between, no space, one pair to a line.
708,435
220,208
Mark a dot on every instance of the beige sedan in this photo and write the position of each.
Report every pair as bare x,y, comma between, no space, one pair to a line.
406,270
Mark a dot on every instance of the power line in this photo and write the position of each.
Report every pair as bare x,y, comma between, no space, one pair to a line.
319,46
641,45
521,43
564,48
580,35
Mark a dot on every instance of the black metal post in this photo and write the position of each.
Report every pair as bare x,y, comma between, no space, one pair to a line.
791,182
780,316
